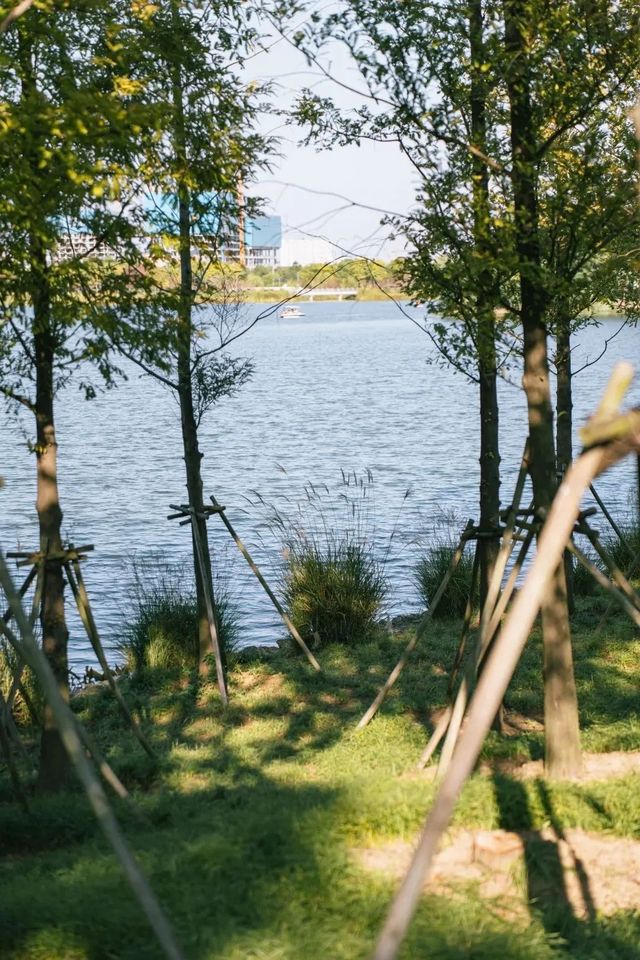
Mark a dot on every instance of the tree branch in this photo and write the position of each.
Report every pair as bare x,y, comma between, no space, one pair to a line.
18,398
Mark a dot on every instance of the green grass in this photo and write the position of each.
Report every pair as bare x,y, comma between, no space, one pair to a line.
252,813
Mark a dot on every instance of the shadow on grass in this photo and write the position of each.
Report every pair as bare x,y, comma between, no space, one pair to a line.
583,932
220,860
251,861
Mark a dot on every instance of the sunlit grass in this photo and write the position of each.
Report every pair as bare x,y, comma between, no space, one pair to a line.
252,814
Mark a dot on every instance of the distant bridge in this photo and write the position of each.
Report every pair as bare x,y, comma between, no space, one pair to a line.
318,293
333,293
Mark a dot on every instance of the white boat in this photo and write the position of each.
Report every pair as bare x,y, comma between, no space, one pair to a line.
287,313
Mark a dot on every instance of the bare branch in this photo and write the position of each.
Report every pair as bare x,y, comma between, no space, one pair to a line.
13,15
590,363
151,371
18,398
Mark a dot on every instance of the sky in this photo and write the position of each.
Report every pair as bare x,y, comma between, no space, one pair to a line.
322,196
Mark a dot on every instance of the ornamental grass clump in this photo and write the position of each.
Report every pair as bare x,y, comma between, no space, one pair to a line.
333,578
334,591
27,702
163,633
431,570
626,555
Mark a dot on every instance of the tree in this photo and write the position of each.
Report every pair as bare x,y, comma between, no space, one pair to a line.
485,99
431,92
550,96
66,133
588,179
192,176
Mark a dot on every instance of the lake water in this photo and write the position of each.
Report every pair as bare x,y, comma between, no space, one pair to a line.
350,387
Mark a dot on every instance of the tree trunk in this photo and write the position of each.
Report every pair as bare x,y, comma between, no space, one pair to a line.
192,460
191,447
54,770
54,764
564,400
487,372
564,426
562,732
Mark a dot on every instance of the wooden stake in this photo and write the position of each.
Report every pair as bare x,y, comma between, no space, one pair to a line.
451,719
610,564
16,684
67,725
510,585
508,647
631,570
26,583
614,526
491,688
455,712
84,609
483,642
267,589
421,630
604,581
466,623
436,737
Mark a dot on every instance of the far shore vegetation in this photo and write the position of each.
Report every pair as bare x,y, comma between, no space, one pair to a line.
365,280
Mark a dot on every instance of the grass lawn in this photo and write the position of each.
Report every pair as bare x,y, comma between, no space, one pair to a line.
252,816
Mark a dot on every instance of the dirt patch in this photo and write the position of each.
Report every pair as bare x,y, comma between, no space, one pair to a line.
272,684
596,766
587,873
517,723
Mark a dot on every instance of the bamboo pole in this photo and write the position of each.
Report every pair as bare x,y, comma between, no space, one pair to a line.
84,609
491,688
97,798
421,630
267,589
466,623
610,564
213,632
16,684
490,620
614,526
511,640
604,581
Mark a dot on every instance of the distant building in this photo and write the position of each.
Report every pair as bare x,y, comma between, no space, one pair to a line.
263,242
255,242
78,243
